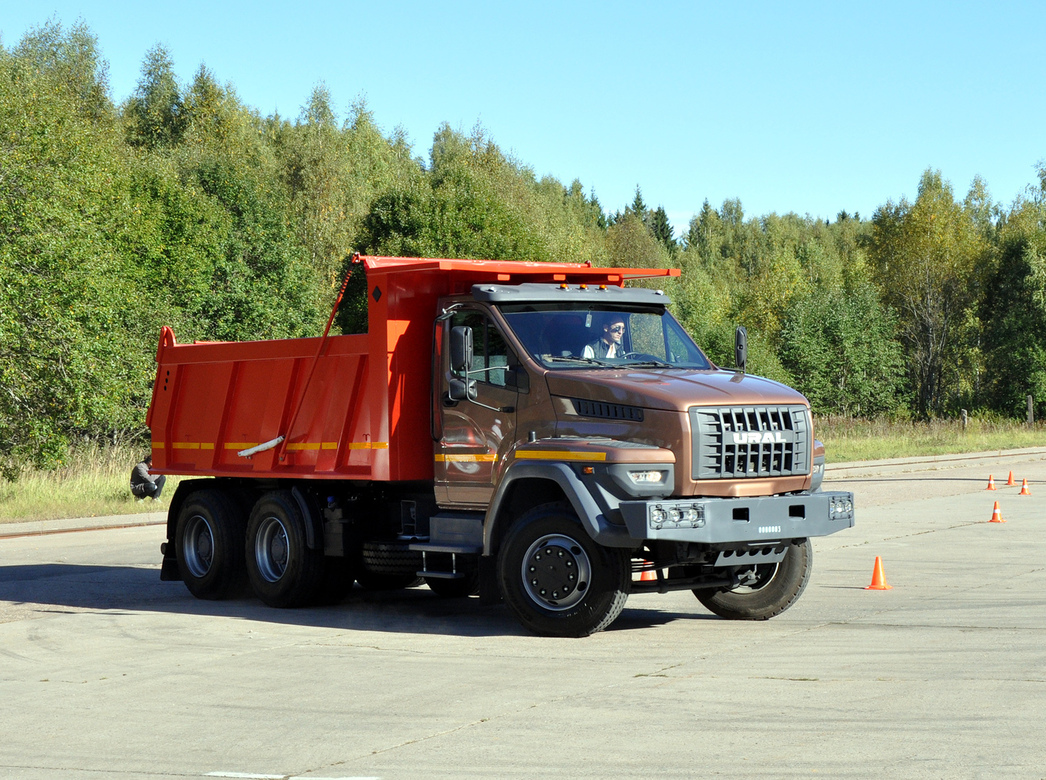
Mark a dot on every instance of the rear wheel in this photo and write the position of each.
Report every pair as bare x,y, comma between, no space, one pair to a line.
556,580
283,571
209,545
767,589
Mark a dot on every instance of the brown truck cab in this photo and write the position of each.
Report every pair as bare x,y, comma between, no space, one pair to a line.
537,433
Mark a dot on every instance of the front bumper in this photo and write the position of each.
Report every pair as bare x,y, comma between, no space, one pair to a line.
730,520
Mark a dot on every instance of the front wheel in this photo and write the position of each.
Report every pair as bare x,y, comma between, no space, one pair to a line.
766,589
556,579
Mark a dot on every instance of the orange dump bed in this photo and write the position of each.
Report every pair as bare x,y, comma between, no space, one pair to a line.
346,407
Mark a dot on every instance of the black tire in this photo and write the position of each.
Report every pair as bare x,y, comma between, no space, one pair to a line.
556,580
388,565
454,589
282,570
390,557
776,587
209,536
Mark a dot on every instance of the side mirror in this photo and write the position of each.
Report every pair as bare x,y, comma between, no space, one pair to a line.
741,347
461,389
460,349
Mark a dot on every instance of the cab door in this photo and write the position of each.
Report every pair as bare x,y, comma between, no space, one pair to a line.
474,434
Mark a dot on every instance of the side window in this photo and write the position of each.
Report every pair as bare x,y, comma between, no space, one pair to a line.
489,350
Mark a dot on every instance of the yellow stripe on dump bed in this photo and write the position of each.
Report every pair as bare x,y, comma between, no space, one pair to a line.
313,445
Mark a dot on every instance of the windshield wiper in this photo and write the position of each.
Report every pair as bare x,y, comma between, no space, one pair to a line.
574,359
651,363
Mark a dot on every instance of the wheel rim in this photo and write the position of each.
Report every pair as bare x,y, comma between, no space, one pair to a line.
759,577
556,572
271,549
198,550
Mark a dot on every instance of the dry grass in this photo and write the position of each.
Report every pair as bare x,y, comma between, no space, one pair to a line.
853,440
94,483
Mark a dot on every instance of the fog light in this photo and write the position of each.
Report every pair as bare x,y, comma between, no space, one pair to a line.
841,508
657,518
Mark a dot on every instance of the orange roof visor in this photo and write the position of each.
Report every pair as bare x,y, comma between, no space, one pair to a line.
464,273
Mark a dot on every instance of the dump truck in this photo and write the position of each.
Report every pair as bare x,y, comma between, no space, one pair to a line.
540,434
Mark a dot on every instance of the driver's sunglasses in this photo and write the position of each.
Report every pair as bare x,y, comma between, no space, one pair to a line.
617,329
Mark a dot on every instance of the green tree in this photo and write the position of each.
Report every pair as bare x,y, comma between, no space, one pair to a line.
72,316
630,243
662,229
1014,310
154,114
925,257
839,346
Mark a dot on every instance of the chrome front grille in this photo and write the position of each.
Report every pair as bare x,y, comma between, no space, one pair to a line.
738,442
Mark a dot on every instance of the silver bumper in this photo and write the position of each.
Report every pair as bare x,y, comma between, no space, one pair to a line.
725,520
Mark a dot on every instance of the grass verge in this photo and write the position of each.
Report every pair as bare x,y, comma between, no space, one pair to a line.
95,482
854,440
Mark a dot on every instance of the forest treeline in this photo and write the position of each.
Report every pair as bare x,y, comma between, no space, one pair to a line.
185,207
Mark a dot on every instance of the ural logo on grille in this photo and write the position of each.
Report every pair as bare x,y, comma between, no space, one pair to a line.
765,437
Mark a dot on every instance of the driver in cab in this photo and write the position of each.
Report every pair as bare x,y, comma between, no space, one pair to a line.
609,344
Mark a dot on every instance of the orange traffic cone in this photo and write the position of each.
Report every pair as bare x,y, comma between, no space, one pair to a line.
991,483
1024,489
996,515
647,575
878,578
1010,482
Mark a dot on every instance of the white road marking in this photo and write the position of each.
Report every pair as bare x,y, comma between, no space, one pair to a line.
252,776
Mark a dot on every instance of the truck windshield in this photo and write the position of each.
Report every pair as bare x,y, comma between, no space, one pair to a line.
563,336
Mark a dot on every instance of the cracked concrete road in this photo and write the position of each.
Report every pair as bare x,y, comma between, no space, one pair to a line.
105,672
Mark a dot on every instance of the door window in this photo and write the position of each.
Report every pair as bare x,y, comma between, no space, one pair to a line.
490,354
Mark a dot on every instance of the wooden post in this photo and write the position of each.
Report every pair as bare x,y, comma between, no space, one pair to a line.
1031,410
965,420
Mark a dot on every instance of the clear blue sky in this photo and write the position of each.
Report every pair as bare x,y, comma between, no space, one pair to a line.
811,107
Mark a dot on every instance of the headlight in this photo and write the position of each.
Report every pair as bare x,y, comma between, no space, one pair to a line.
647,477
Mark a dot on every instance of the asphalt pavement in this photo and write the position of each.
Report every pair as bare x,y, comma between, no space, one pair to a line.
107,672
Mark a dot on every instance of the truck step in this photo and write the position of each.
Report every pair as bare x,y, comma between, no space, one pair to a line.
454,549
446,561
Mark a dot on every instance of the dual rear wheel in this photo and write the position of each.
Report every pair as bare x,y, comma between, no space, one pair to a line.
220,552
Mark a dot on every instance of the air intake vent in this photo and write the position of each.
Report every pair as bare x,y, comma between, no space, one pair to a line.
607,411
751,441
